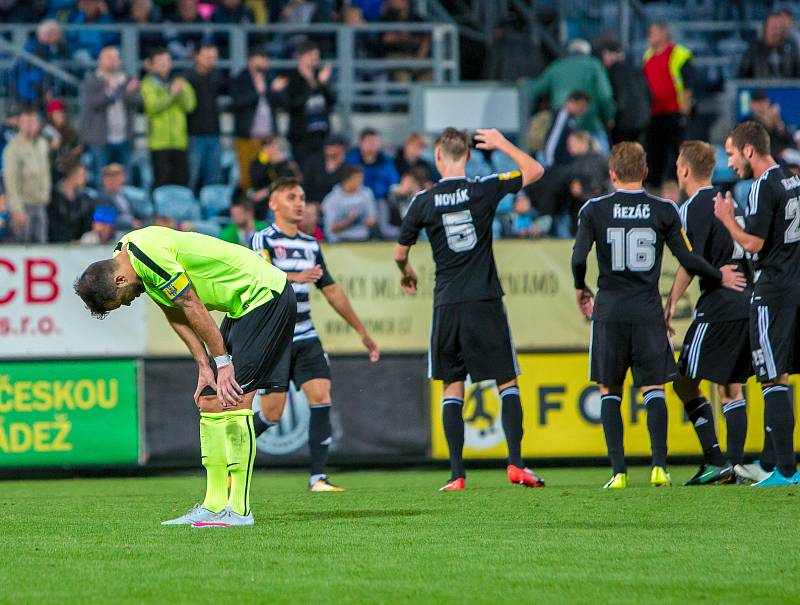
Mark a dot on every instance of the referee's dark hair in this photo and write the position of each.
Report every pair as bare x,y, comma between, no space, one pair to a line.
750,133
97,288
454,143
283,183
628,161
699,157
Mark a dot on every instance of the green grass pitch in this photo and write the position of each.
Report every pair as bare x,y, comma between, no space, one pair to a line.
392,538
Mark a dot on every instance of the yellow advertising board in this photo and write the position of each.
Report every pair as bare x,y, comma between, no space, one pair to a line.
536,277
562,414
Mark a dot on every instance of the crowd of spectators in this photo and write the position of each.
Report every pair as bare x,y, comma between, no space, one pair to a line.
65,183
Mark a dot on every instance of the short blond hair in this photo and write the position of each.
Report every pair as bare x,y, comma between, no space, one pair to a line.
700,157
628,161
454,143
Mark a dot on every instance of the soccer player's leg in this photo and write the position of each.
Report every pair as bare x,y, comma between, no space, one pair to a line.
453,423
774,335
653,366
610,356
489,355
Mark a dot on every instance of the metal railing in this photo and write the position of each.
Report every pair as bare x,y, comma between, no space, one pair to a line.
360,80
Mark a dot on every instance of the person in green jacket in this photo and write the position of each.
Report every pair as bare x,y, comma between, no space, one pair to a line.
243,224
167,100
578,70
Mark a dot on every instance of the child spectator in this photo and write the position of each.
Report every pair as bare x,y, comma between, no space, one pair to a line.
104,228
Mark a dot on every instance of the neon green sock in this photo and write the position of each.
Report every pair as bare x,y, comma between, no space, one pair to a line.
240,452
212,448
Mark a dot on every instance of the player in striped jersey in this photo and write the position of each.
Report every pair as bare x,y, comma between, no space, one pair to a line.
300,256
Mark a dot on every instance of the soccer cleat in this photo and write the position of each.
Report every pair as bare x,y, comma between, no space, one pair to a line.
708,474
454,485
776,479
618,481
523,476
752,472
323,485
227,518
659,477
197,513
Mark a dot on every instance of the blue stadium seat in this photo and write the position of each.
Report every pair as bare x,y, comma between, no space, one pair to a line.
141,204
477,166
141,170
206,227
230,168
722,174
215,199
176,202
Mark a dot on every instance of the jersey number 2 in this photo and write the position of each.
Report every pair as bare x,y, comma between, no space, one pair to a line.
460,231
634,250
792,233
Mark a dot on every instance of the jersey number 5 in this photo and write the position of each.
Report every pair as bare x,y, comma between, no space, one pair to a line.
634,250
460,230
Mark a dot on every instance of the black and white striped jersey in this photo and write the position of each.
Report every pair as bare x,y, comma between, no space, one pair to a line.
293,255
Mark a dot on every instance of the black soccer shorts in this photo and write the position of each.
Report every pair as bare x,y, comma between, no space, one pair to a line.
775,340
472,339
717,351
260,343
308,361
645,349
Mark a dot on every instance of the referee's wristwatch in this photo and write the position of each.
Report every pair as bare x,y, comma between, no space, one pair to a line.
223,360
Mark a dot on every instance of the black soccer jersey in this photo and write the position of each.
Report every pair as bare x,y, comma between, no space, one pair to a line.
630,229
710,239
294,254
457,214
774,216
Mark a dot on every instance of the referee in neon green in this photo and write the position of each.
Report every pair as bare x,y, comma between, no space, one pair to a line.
188,274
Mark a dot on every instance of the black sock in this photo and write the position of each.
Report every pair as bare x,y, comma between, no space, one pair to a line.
779,424
736,420
261,424
611,416
699,412
319,437
453,420
512,424
657,425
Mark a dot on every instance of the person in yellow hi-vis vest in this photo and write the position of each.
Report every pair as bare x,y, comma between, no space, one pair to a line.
668,70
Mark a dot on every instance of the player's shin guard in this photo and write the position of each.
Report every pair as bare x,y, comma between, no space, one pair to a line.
699,412
611,416
736,421
657,425
779,424
212,449
453,421
240,452
512,424
319,437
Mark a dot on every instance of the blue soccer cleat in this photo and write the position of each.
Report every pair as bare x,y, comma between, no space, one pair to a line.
775,479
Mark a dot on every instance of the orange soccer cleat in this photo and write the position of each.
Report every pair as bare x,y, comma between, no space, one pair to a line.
454,485
523,476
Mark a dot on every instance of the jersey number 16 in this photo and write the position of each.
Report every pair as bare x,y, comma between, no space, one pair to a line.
633,250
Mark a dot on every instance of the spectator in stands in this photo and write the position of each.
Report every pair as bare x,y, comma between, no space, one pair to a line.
349,210
70,211
271,163
254,101
183,44
300,11
110,98
578,70
379,171
775,55
31,83
769,116
233,11
669,72
403,44
392,210
243,224
62,137
409,156
113,195
8,130
21,11
4,216
324,170
104,227
371,9
584,176
519,222
144,12
631,94
167,101
309,224
310,101
564,124
205,145
27,181
84,44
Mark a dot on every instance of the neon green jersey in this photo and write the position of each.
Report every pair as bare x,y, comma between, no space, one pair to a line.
227,277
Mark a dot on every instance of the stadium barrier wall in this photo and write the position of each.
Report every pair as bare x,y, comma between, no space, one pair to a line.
562,414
